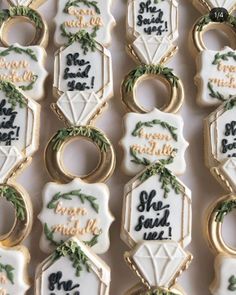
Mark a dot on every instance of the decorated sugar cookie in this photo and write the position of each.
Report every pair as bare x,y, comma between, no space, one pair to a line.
81,67
152,18
216,78
13,275
24,67
93,17
153,136
19,128
158,263
220,132
157,206
72,269
225,280
75,209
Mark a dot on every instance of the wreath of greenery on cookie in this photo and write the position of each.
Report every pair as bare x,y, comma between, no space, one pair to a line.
8,269
14,96
87,40
12,196
144,161
206,19
77,257
95,135
218,58
25,11
223,209
68,196
151,70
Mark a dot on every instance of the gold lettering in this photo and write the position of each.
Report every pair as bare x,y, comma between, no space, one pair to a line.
72,211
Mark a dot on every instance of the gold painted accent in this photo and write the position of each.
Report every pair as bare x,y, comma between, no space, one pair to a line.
214,228
196,36
41,34
56,169
21,228
172,106
216,172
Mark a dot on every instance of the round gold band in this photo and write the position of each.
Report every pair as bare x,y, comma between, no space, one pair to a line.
23,214
55,148
215,217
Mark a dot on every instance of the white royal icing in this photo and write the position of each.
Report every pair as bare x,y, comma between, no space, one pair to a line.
147,18
84,218
147,145
159,262
22,69
94,70
21,2
14,260
222,135
95,281
227,4
229,170
151,50
19,132
84,17
150,214
215,77
225,272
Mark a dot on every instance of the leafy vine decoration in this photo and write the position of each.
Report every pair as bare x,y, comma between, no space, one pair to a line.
19,50
167,179
232,283
68,196
12,196
230,104
14,96
9,271
144,161
76,255
149,69
206,19
13,11
76,3
217,59
95,135
224,209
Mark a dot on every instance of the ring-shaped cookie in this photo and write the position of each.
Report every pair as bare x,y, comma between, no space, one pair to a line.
144,72
23,214
55,148
215,218
205,24
16,14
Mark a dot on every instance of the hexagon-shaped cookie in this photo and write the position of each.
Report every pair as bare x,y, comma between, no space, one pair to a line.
156,206
72,267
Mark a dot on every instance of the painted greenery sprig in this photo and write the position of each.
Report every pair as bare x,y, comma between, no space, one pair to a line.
77,3
19,50
149,69
215,94
223,56
152,123
14,96
87,40
76,255
232,283
49,234
22,11
95,135
230,104
224,209
68,196
206,19
167,179
9,271
11,195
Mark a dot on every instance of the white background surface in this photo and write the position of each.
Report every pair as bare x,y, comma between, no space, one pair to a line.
205,189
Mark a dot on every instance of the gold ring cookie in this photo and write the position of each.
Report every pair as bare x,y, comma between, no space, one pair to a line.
207,23
215,219
163,74
17,14
55,147
23,214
